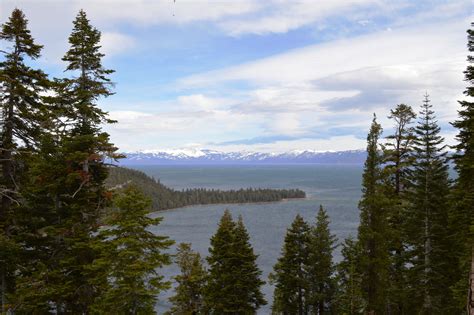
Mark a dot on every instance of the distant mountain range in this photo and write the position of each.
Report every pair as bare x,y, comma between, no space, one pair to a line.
212,157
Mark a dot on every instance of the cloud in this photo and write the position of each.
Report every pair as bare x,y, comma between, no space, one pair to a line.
436,44
283,16
115,43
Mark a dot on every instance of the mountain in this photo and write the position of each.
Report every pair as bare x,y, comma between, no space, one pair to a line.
212,157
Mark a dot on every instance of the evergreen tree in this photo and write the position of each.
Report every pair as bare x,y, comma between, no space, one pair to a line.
130,255
398,160
250,282
349,295
22,118
319,267
428,218
462,213
86,147
374,260
233,283
289,275
66,195
188,299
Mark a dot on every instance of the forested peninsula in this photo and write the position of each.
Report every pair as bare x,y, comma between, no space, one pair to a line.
164,198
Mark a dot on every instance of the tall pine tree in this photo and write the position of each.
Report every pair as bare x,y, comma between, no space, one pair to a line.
86,147
428,218
22,119
462,213
398,160
291,295
372,236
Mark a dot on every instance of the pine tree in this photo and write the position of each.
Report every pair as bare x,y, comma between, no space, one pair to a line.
188,299
233,283
130,255
349,295
250,282
428,218
398,160
320,267
85,149
462,212
374,260
65,194
289,275
22,117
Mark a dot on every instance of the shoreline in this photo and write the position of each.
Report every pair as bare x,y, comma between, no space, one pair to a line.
233,203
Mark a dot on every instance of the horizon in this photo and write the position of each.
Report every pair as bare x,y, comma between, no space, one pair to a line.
263,77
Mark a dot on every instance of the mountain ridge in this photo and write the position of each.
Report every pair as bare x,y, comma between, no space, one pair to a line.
213,157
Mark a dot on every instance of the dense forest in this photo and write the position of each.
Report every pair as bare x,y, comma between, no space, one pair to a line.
70,244
163,197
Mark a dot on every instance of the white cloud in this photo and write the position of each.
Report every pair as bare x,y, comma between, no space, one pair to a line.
115,43
435,44
282,16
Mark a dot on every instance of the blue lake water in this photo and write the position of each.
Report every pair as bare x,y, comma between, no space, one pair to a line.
336,187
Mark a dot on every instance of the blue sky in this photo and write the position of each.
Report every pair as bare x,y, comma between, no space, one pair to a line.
266,76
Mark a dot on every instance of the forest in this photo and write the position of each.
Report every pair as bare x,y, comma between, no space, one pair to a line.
164,198
71,244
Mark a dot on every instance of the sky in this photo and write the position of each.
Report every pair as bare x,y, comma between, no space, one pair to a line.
267,76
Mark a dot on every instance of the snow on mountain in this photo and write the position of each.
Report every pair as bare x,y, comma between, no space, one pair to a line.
204,156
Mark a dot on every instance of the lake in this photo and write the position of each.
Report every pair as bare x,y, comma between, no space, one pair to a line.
336,187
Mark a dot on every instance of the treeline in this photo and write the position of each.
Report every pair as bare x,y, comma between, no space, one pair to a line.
166,198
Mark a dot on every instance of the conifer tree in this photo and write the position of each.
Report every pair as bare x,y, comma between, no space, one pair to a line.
428,218
130,255
234,278
22,118
462,211
319,267
349,295
85,149
372,236
398,160
250,282
289,274
188,299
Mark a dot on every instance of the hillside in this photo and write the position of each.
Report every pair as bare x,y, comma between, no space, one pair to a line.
166,198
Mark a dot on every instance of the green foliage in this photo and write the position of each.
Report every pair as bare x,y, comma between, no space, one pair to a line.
130,255
84,57
22,117
234,282
427,236
349,295
166,198
320,268
289,275
398,161
188,298
462,210
374,260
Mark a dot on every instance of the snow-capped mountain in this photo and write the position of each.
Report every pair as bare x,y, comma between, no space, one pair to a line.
203,156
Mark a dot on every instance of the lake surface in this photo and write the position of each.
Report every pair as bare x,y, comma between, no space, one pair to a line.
336,187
